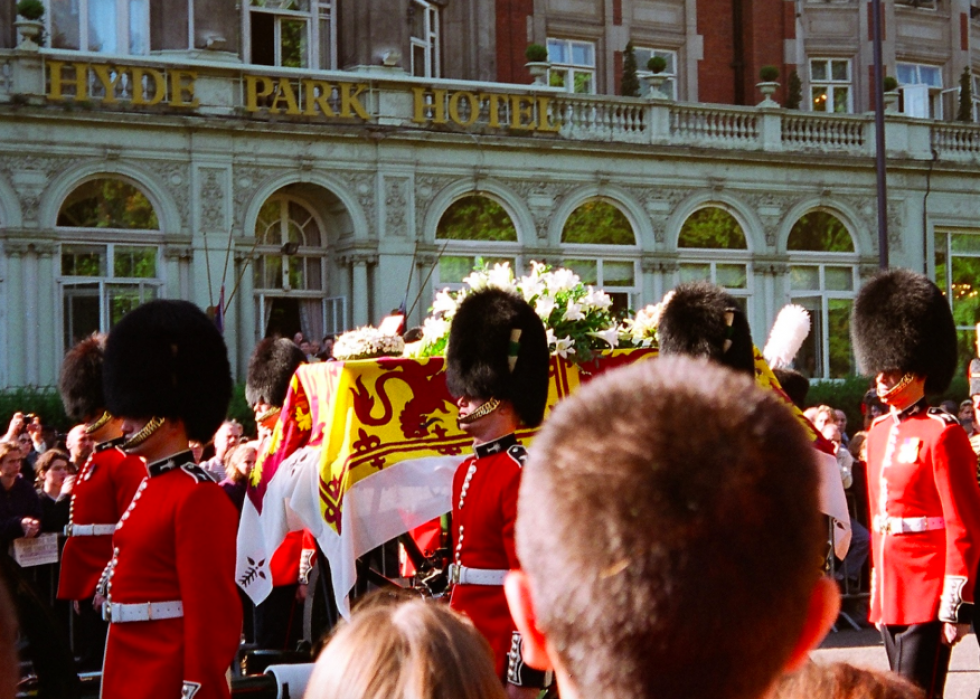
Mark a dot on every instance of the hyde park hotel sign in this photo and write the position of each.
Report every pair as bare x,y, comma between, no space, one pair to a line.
311,98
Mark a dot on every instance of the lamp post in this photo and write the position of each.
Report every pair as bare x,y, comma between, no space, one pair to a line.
879,77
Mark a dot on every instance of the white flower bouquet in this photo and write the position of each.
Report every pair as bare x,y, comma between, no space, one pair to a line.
367,343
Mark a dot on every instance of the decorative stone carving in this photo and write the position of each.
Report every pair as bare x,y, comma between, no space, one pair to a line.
396,205
212,199
362,184
176,179
426,188
542,199
30,194
659,203
246,182
771,208
178,252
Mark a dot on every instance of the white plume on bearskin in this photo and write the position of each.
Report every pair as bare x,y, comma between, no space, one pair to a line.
791,328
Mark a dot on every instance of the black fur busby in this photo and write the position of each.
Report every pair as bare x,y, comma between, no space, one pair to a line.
695,322
974,376
901,321
794,384
269,370
167,359
479,346
80,383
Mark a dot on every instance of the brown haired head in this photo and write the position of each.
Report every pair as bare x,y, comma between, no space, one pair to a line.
844,681
651,491
46,460
406,650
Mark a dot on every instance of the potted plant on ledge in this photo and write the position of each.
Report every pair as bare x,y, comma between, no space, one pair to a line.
537,63
890,86
655,80
29,24
768,85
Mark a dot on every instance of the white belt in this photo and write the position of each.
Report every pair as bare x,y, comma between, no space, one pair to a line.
461,575
146,611
907,525
89,529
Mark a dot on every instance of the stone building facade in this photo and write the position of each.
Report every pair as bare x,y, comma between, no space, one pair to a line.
320,198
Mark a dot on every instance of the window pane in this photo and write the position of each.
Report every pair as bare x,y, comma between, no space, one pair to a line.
695,273
122,299
135,262
83,260
820,231
557,51
965,242
818,70
81,312
905,72
930,76
556,78
941,240
839,70
453,269
819,97
838,278
476,217
731,276
600,223
670,57
583,83
583,55
839,338
314,278
294,43
102,26
809,359
966,290
64,26
618,273
712,227
804,278
139,20
841,99
587,270
272,278
295,272
107,203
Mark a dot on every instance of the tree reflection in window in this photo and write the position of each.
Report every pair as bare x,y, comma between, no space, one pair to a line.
598,222
476,217
283,223
108,203
712,227
957,271
819,231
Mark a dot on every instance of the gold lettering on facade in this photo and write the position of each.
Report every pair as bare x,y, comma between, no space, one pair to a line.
518,112
315,95
181,84
57,80
474,108
284,94
110,78
351,100
154,77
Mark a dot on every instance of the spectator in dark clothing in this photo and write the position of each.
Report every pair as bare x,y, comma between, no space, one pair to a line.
20,508
52,469
27,456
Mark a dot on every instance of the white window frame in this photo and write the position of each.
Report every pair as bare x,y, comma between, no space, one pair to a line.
320,25
712,258
921,97
644,54
975,96
829,84
490,252
429,42
122,20
591,253
570,68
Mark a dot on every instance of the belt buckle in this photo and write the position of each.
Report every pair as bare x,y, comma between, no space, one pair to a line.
68,528
454,574
107,611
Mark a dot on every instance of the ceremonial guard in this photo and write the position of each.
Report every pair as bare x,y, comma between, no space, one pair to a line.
104,487
922,491
175,618
497,368
279,617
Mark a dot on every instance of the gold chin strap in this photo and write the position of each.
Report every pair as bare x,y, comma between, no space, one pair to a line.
484,410
906,379
98,424
144,434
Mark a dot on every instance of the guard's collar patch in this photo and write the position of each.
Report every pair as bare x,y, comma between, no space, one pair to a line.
111,444
497,446
160,467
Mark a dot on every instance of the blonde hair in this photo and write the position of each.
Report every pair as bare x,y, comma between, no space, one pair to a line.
405,650
235,456
844,681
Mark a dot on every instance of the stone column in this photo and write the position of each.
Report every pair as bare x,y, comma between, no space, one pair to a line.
16,344
47,327
31,319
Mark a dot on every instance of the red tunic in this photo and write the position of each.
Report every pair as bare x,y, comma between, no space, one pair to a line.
483,534
103,489
175,542
920,465
291,562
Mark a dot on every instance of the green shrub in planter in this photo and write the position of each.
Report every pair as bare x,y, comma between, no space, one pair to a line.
768,74
657,64
536,53
30,9
890,84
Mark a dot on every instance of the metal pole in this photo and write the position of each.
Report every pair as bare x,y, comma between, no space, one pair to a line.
879,77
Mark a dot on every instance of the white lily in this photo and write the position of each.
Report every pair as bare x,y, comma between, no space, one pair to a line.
434,329
501,277
610,336
444,304
562,279
544,306
573,312
564,347
596,299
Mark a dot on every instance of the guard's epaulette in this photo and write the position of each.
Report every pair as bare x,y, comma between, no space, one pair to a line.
945,416
197,473
518,453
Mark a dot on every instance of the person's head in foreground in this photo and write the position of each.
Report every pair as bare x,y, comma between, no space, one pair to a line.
406,649
844,681
670,539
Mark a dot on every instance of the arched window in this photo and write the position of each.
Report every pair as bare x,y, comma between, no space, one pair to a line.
599,222
109,257
474,227
957,259
713,248
823,276
290,268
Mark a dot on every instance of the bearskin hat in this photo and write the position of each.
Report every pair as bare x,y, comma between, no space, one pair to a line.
901,321
167,359
794,384
270,369
480,344
974,376
80,383
702,320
